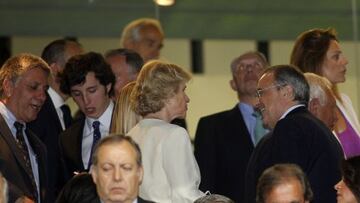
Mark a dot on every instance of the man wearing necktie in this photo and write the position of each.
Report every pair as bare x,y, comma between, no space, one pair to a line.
55,116
224,141
24,81
89,80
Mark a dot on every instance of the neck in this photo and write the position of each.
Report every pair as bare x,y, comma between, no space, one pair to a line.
162,115
251,100
56,86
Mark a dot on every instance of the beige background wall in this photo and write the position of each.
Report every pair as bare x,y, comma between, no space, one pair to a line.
209,92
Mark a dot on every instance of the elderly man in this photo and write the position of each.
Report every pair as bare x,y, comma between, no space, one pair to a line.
297,136
89,80
125,64
224,141
55,116
117,170
322,103
24,81
145,36
283,183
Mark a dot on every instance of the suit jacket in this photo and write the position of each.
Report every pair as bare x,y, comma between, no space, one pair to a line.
47,127
71,149
222,149
302,139
12,164
143,201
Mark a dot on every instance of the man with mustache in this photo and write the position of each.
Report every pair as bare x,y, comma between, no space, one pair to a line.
23,86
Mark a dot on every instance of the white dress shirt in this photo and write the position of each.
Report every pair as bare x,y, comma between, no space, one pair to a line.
88,132
171,173
10,120
58,101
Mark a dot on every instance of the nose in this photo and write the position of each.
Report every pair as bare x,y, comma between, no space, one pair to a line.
187,99
86,99
117,174
42,95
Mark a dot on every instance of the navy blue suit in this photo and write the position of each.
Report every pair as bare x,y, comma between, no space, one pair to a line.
302,139
222,149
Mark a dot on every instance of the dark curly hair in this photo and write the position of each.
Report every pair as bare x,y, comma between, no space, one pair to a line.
79,66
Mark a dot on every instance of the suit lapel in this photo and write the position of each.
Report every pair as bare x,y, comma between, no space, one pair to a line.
9,138
236,116
79,137
51,108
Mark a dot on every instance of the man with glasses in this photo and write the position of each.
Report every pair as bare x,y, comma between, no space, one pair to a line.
224,141
297,136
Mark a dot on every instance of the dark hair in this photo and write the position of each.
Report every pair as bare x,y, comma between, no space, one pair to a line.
79,66
350,169
54,52
117,139
310,49
132,58
280,174
291,75
79,189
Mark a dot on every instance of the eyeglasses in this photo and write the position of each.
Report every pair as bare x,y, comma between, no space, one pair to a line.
260,92
246,67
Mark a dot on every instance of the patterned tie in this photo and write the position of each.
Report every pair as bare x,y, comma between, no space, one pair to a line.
259,130
20,141
66,115
97,137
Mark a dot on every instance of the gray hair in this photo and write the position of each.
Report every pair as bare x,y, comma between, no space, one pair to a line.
235,62
214,198
292,76
280,174
320,87
131,32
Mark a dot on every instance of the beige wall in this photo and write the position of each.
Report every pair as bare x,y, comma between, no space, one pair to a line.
209,92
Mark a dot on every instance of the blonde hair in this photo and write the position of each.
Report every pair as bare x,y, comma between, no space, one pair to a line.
124,117
156,82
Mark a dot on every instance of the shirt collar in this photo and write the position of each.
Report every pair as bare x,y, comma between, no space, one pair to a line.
246,109
57,100
104,119
8,116
290,109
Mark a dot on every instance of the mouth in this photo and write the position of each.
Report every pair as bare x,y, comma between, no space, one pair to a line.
36,107
89,110
118,190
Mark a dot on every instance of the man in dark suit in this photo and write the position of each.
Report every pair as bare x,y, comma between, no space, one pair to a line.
297,137
24,81
224,141
55,115
89,80
117,169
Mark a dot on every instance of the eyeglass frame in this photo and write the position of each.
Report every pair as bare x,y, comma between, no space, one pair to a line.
245,67
260,92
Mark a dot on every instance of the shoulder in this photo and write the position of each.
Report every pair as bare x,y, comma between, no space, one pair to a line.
75,128
223,115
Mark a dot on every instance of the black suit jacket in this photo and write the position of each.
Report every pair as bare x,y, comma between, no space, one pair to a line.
47,127
143,201
302,139
12,164
70,148
222,149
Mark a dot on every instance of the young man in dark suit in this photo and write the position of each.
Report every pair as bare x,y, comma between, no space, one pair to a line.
24,81
89,80
117,170
54,116
224,141
297,137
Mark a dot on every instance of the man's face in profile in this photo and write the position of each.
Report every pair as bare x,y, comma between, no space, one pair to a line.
117,174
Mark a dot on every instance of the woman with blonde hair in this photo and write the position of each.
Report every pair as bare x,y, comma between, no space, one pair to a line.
171,173
124,117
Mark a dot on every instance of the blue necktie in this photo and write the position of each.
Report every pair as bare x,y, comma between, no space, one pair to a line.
259,130
97,137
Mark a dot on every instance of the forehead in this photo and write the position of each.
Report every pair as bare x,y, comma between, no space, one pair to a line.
151,32
290,191
250,58
266,79
334,46
122,152
90,80
33,74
